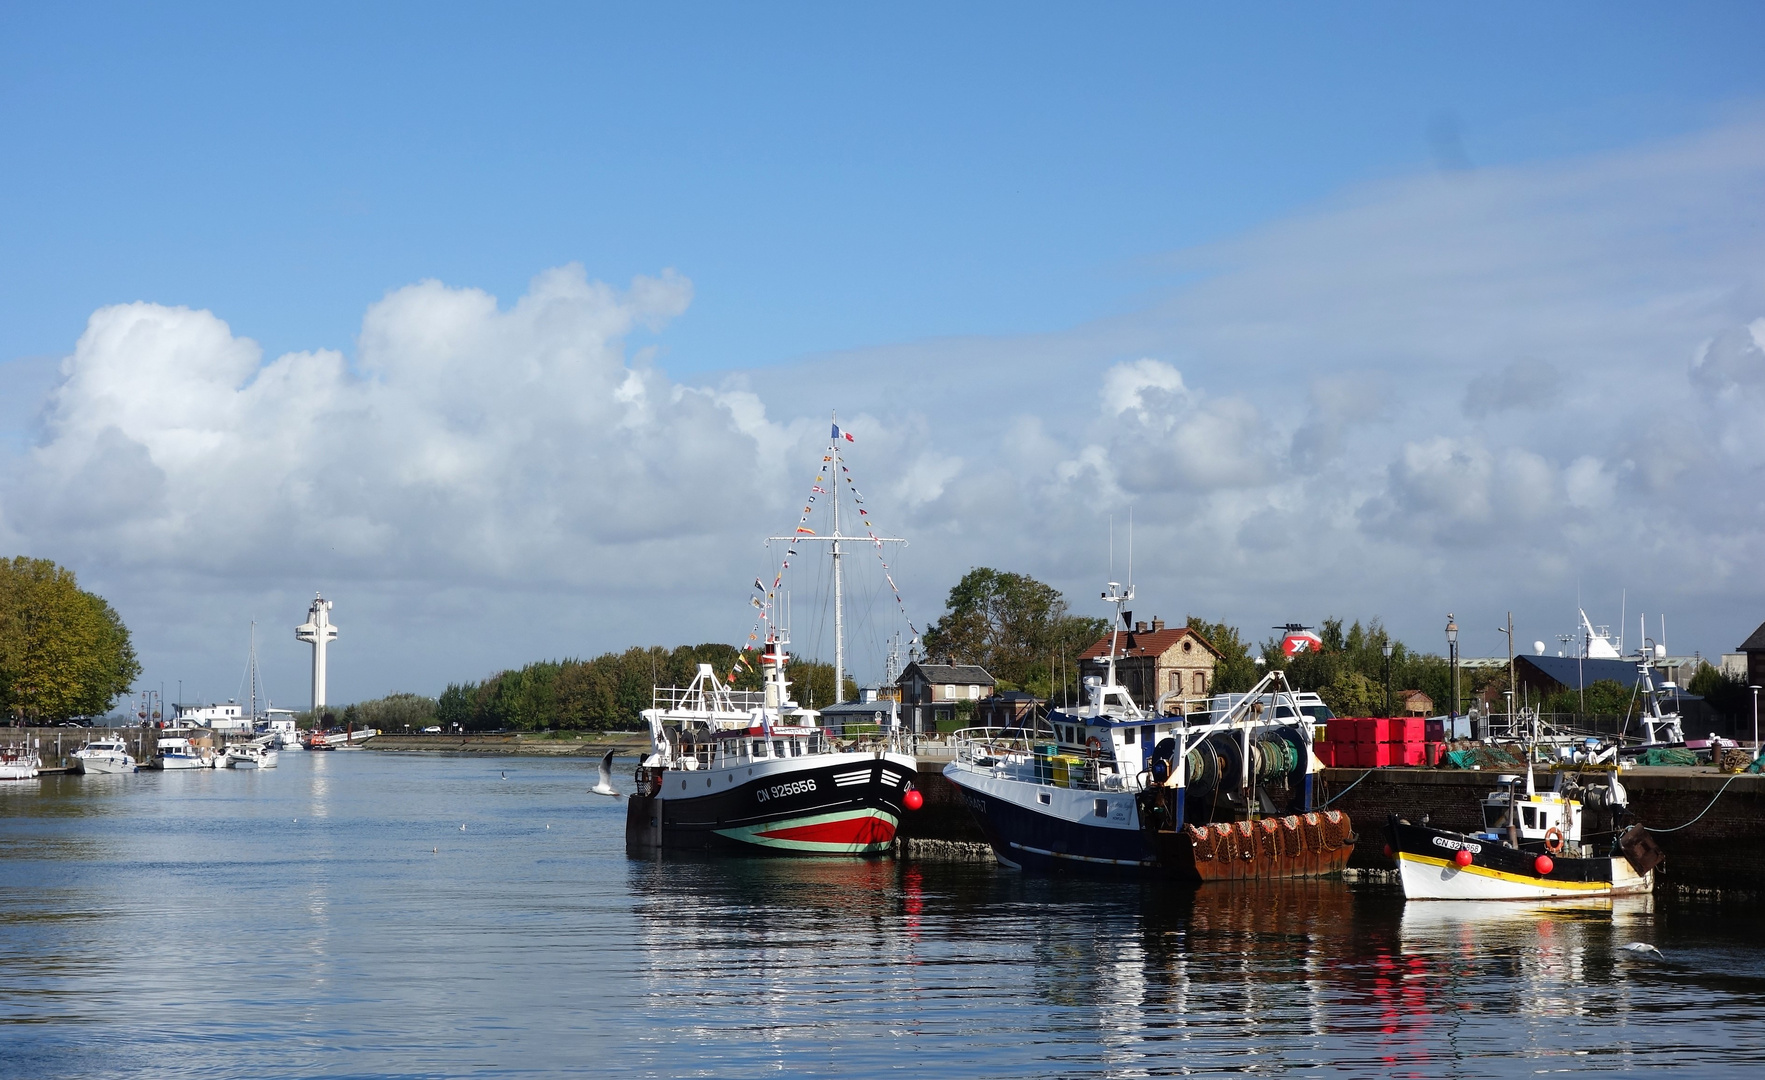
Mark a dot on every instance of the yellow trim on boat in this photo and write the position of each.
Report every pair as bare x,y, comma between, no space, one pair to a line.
1502,875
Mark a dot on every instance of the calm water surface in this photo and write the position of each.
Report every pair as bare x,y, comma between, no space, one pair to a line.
332,918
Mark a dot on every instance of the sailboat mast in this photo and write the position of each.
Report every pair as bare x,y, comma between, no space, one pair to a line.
839,614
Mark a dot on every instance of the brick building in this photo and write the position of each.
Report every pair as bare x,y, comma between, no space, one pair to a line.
1153,661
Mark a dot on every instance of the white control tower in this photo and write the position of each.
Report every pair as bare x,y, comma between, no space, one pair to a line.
318,632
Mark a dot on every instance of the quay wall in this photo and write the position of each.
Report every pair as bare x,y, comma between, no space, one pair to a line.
57,743
511,744
1722,850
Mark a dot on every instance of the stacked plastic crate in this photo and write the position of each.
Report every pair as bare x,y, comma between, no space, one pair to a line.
1373,742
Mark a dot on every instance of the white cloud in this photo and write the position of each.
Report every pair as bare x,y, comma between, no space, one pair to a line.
1346,412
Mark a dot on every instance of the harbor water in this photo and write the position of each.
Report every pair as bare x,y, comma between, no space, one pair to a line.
358,914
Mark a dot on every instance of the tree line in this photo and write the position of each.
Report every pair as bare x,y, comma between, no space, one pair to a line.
64,652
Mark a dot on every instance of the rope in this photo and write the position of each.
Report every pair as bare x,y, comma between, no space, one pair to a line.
1347,789
1706,809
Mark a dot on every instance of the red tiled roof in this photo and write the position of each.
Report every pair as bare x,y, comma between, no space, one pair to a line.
1151,643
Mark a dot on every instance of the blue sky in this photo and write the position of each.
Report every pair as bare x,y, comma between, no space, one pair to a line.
1008,203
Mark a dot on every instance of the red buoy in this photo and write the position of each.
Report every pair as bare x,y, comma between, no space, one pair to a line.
913,800
1543,865
1462,856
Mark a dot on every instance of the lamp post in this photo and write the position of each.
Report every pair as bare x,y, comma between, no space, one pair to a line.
1386,649
1452,652
1755,691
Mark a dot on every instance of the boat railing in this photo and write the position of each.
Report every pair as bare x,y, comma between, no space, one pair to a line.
696,699
1033,755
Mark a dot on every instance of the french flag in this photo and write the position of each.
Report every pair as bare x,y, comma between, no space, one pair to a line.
846,435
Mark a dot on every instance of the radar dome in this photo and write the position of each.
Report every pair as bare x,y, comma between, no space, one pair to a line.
1538,647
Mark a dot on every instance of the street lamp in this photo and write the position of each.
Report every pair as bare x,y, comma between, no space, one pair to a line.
1386,649
1452,651
1755,691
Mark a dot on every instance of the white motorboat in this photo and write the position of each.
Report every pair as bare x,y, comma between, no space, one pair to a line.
250,755
109,754
19,762
176,752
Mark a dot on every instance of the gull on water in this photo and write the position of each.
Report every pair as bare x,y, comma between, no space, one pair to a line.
1643,948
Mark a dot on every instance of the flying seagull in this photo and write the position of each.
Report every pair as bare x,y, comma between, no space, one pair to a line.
605,787
1643,948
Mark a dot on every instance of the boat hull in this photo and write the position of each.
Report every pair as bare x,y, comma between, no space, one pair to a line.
821,804
172,762
1041,828
103,764
1427,867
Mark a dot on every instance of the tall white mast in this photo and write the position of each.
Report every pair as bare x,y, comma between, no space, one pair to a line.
839,610
318,632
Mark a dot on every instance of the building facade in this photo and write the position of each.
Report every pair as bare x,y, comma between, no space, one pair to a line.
930,692
1157,662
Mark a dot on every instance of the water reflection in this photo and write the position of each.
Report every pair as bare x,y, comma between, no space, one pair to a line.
329,918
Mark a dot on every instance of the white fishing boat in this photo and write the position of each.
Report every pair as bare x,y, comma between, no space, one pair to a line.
753,771
176,752
109,754
251,755
1534,845
19,762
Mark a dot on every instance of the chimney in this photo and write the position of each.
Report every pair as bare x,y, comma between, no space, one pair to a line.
1157,625
1139,628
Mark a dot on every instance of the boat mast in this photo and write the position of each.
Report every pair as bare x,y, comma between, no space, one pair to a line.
839,623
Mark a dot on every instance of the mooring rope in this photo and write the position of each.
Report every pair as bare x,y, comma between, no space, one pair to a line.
1706,809
1347,789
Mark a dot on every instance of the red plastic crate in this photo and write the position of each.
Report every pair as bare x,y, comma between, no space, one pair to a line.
1413,753
1326,752
1342,729
1375,729
1409,729
1376,755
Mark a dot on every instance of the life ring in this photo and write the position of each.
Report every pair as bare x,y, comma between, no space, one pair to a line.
1553,840
1094,748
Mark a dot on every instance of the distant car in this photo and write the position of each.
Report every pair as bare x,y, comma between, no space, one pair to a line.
431,731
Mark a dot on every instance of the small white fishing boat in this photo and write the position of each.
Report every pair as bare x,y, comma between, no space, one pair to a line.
108,754
19,762
250,756
1534,845
176,752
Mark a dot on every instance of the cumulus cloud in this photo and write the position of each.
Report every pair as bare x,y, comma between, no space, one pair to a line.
467,442
1522,384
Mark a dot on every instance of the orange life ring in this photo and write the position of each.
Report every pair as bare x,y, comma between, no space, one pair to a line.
1553,840
1094,748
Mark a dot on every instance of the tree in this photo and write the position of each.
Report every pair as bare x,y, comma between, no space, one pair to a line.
1016,627
63,651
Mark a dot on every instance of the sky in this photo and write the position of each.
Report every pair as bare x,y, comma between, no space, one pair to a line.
516,330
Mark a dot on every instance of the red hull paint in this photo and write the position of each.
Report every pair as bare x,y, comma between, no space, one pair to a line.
865,829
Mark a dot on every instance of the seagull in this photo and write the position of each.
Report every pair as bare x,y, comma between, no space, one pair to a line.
435,851
1643,948
605,787
462,826
505,776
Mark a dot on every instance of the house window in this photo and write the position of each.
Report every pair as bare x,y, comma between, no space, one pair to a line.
949,692
974,693
1177,681
1200,682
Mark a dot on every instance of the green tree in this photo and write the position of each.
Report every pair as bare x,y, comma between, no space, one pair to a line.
63,651
1016,627
1727,695
1236,670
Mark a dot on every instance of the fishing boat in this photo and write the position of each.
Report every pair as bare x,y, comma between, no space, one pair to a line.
1116,789
1567,842
19,762
107,754
753,771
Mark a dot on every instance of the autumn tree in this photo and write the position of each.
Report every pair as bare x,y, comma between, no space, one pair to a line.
63,652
